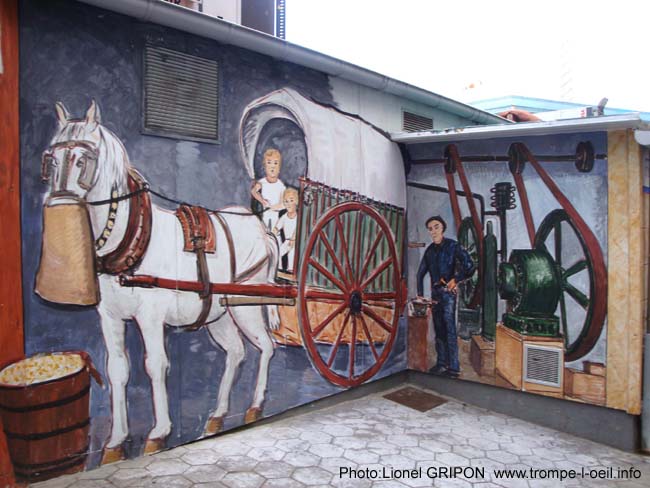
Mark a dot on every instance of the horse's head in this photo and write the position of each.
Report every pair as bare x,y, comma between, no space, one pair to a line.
83,155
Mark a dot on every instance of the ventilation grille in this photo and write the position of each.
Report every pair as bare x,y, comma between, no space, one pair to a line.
543,365
181,96
414,123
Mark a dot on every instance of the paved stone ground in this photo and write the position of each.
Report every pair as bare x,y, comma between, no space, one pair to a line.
374,433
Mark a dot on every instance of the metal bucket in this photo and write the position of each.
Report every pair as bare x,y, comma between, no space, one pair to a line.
44,405
66,272
419,308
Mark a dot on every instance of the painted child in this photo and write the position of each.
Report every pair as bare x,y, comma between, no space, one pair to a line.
269,190
288,222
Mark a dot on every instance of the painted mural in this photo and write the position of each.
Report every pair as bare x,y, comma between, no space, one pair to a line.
507,263
176,289
105,244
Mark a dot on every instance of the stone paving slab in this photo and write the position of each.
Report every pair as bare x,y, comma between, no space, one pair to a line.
375,436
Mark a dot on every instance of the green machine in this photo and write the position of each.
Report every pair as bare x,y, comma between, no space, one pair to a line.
531,283
541,289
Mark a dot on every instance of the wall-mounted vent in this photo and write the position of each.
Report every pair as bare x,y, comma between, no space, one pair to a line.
414,123
181,95
543,365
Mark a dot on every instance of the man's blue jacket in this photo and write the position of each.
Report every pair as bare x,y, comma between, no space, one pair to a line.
446,260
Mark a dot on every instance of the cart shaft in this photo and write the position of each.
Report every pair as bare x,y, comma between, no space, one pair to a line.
253,290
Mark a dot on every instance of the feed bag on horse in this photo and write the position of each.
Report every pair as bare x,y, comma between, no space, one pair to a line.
66,272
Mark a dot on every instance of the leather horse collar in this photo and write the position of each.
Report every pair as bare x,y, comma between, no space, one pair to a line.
129,253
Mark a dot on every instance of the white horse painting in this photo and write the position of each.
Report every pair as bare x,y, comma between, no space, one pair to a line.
78,143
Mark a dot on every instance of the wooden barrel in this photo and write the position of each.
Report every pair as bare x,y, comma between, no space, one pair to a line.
46,414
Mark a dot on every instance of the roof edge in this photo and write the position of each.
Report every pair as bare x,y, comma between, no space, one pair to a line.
611,122
194,22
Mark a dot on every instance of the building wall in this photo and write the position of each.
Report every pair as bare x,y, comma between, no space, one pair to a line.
90,61
227,10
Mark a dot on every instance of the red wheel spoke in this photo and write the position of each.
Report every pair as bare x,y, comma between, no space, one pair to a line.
316,295
344,245
380,321
335,259
353,344
376,273
366,262
337,343
370,341
317,331
327,274
391,295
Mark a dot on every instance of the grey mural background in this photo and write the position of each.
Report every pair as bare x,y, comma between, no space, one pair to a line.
74,53
586,191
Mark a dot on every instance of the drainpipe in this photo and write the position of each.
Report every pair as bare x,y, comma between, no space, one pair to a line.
194,22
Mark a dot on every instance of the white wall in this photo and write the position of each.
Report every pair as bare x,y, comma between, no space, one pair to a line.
385,110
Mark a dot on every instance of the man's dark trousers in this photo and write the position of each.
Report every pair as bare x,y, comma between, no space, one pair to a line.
444,325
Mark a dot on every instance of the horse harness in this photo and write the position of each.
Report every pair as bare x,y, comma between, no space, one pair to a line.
199,238
130,251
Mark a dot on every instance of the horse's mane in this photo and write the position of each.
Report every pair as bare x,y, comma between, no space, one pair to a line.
113,160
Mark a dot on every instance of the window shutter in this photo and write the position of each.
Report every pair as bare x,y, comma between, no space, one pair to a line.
181,95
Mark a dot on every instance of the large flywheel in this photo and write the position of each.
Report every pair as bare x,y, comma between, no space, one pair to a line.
583,299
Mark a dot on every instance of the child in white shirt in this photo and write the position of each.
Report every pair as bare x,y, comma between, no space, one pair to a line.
288,222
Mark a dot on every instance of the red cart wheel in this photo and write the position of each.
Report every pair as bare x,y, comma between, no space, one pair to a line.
349,293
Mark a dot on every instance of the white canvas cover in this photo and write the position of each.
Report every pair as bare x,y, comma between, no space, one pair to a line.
343,151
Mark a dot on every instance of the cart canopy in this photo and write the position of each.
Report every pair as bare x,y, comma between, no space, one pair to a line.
343,151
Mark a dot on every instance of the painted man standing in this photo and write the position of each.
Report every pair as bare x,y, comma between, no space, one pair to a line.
447,264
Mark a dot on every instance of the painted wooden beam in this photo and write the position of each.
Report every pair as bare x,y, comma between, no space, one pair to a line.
11,304
626,242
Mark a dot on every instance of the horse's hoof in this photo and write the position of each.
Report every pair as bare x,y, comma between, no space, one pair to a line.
213,426
113,455
253,414
152,446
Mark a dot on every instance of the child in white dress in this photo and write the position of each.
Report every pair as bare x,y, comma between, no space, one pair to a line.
269,190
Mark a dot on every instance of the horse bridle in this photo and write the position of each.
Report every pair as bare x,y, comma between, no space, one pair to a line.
86,178
88,160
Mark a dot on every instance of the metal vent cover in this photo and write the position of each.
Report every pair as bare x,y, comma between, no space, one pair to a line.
181,95
543,365
414,123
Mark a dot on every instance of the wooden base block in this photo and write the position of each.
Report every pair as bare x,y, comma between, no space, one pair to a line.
482,356
597,369
499,380
418,343
511,348
584,386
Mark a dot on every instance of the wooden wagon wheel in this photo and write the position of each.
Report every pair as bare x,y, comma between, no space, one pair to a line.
361,298
579,339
